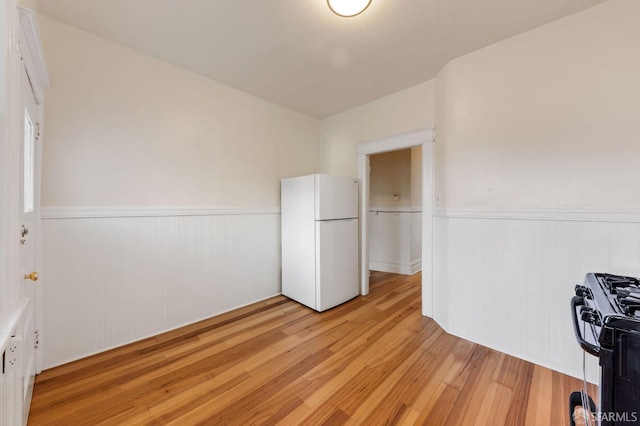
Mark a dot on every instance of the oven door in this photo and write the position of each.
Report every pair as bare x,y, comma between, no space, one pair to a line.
620,375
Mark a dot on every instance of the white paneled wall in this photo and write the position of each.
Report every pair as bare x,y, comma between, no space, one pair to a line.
395,239
12,371
115,276
416,240
502,279
505,279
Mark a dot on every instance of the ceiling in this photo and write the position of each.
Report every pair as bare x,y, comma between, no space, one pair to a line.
296,53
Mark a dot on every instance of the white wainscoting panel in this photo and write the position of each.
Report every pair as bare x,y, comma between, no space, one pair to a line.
416,240
12,379
395,240
118,278
505,279
11,399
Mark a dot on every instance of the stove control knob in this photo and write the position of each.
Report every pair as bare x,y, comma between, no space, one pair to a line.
590,315
583,291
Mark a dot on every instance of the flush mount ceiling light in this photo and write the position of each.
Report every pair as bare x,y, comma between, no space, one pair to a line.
348,8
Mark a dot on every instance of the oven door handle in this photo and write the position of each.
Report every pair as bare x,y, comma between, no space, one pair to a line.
589,347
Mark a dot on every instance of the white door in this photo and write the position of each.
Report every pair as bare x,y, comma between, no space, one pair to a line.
337,257
29,235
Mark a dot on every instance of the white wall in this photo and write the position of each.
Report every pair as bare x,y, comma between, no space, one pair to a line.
391,174
545,119
29,4
395,240
535,135
401,112
126,135
125,129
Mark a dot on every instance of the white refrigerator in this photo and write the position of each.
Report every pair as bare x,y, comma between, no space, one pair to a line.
319,240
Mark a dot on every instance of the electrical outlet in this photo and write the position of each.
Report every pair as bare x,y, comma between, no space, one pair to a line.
12,355
10,358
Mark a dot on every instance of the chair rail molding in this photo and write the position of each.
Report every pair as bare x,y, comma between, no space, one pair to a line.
555,214
81,212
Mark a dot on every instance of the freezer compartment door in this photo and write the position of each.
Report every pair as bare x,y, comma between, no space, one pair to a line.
336,262
336,197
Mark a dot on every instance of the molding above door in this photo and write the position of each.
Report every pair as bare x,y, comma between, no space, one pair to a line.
399,141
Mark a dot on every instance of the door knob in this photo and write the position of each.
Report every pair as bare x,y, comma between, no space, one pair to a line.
32,276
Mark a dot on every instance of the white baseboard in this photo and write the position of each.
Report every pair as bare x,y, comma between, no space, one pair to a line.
416,266
387,209
573,372
395,268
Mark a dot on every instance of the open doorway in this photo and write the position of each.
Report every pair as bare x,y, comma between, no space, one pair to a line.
395,211
423,138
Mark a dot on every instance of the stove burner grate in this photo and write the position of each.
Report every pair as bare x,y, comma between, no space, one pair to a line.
615,282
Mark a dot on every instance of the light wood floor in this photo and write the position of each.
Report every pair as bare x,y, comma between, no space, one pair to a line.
374,360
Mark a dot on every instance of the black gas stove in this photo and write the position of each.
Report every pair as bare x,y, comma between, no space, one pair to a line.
606,320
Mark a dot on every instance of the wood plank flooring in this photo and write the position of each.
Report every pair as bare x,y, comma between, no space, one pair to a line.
374,360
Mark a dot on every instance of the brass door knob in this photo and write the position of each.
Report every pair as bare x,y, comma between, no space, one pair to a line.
32,276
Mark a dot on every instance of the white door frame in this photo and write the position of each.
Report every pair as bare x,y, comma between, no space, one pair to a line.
424,138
